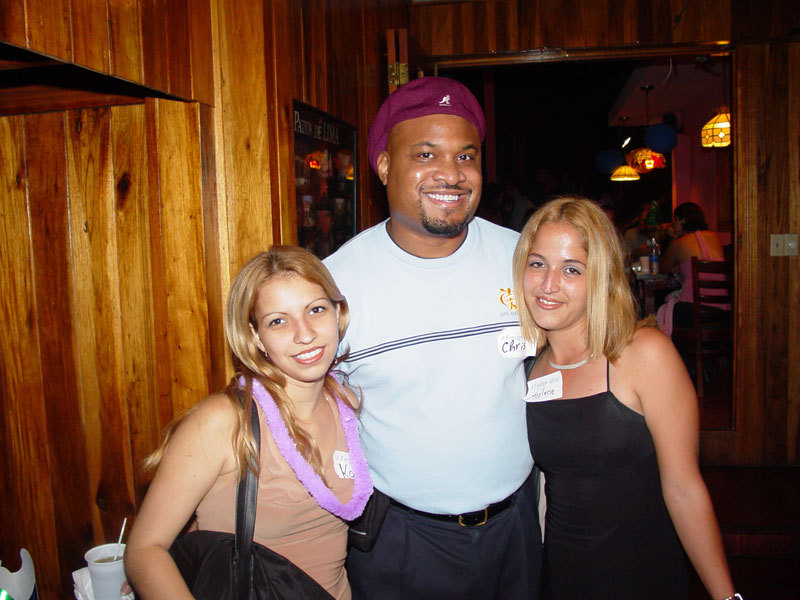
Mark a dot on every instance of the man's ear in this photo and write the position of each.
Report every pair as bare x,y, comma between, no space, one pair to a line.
256,339
382,163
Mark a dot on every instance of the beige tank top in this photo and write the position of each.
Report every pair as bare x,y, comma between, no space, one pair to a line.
288,519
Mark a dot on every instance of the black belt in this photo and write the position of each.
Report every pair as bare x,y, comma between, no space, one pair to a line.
469,519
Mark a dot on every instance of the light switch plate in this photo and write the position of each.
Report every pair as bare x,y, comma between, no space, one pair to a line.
790,244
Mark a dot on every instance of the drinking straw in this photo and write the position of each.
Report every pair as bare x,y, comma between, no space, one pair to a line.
119,541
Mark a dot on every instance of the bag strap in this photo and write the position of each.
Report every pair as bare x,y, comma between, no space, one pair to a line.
246,495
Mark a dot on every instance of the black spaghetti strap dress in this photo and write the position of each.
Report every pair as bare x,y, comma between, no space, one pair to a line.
608,535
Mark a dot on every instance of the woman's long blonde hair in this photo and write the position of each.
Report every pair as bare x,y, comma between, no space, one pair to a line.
610,306
252,364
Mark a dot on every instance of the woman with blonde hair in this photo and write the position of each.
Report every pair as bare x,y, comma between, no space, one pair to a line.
612,422
284,319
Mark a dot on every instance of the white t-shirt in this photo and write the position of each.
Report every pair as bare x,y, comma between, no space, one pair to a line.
443,421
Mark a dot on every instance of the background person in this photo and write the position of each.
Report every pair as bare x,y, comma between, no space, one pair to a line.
612,422
431,346
692,237
284,319
636,232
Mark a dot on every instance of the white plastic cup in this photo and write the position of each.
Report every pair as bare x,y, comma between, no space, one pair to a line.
644,261
107,576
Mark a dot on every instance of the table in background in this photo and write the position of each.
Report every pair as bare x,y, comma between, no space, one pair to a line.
646,286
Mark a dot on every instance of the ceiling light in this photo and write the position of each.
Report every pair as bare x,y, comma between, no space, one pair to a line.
624,173
644,160
717,132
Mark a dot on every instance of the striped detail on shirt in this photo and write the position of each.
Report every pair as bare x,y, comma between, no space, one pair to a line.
428,338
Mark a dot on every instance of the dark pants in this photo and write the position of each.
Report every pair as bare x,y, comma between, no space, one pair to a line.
419,558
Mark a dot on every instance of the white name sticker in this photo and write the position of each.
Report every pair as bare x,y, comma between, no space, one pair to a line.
511,344
544,388
341,464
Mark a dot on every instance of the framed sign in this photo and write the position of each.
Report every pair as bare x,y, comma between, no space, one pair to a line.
325,179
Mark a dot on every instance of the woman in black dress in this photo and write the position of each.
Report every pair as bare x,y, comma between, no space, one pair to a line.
612,422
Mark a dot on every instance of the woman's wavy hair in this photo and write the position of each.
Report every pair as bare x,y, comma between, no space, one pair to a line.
610,306
691,216
252,364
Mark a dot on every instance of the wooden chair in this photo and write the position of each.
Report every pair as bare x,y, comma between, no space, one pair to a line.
712,330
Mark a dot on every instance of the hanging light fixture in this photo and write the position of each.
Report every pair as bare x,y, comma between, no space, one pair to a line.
644,160
624,173
717,132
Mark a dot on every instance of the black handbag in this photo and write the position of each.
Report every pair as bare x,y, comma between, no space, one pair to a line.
224,566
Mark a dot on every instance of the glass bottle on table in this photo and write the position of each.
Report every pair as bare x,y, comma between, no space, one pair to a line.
655,255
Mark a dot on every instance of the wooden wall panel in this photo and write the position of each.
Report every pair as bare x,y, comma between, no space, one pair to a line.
106,321
157,265
12,23
316,38
90,34
215,238
776,276
202,59
507,25
26,460
343,61
155,57
279,44
125,39
180,184
178,48
243,147
95,273
372,89
162,44
136,288
793,224
750,234
56,309
47,27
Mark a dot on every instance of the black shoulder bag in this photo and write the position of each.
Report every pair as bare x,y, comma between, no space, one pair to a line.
224,566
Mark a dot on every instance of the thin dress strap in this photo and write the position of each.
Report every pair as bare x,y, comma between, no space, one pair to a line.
704,249
608,376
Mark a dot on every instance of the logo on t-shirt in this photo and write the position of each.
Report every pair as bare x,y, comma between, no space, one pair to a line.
507,298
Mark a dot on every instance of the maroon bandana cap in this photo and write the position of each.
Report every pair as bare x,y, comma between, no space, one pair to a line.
420,98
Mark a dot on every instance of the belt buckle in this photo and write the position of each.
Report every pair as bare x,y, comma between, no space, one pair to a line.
483,522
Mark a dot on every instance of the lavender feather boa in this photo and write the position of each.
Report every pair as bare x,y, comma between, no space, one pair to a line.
362,481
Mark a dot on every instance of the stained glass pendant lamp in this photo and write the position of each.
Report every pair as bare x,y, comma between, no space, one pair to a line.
717,132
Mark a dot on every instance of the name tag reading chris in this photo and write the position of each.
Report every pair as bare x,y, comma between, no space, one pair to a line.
511,344
544,388
341,464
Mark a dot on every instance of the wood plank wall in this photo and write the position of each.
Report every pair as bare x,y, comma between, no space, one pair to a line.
161,44
122,226
341,70
766,172
105,319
